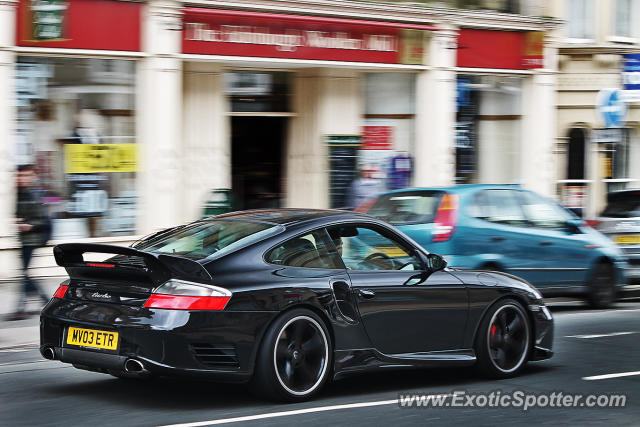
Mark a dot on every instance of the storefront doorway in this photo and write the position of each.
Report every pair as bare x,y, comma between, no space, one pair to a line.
256,161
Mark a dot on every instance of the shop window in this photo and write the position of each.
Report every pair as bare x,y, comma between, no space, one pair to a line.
76,123
259,92
488,114
388,128
618,159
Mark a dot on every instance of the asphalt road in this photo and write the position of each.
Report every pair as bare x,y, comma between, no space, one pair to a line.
36,392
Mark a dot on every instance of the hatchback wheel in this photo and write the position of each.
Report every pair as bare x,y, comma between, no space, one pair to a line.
602,290
294,359
503,341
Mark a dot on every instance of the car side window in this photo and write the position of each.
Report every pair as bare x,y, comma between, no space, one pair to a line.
498,206
312,250
366,248
543,213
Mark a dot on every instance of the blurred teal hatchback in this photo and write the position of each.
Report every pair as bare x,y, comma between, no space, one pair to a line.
510,229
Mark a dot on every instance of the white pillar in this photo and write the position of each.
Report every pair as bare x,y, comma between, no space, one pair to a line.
159,113
8,257
207,145
539,124
537,167
436,113
326,102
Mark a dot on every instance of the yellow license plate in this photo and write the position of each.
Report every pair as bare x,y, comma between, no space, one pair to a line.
628,240
92,338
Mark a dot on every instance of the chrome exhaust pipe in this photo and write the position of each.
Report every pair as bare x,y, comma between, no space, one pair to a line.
133,366
49,353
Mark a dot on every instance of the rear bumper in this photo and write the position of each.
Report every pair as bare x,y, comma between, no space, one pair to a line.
216,345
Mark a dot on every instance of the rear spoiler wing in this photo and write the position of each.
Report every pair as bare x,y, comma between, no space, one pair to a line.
158,267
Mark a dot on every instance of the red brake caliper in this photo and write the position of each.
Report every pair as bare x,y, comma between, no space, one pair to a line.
492,332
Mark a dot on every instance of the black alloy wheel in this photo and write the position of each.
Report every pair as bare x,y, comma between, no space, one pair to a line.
602,291
503,342
294,359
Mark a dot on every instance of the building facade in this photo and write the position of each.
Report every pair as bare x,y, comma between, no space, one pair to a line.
279,102
598,49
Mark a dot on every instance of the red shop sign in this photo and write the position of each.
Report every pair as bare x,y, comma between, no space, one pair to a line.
268,35
516,50
79,24
377,137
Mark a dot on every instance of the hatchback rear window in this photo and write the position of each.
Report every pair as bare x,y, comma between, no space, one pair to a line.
623,205
410,207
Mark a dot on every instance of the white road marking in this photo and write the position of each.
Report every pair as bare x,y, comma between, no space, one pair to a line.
612,334
607,376
285,413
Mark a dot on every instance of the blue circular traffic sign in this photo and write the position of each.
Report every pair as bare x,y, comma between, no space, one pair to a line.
611,107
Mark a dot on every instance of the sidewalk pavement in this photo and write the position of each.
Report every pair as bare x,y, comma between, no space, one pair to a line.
22,334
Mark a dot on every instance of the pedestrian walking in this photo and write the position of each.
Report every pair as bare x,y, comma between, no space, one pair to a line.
364,187
34,229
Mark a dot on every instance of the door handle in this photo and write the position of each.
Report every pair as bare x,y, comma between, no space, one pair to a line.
546,243
366,294
497,239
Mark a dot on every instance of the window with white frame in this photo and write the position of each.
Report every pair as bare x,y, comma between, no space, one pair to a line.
625,18
581,22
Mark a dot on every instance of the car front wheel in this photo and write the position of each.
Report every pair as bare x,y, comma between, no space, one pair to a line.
294,359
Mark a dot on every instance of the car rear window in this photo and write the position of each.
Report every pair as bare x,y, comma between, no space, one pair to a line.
410,207
623,205
210,239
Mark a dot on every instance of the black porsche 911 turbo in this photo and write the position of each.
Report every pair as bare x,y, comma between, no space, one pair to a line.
285,300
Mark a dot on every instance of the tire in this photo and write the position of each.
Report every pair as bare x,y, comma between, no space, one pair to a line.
503,341
601,287
294,359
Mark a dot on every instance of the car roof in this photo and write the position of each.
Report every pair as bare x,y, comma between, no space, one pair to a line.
458,188
289,216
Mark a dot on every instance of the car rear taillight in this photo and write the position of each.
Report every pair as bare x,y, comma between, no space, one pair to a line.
444,224
62,289
592,222
182,295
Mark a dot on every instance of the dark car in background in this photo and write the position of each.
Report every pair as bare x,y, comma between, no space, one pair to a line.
620,221
286,300
508,228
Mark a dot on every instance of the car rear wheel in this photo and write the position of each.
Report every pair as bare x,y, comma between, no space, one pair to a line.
602,290
294,359
503,341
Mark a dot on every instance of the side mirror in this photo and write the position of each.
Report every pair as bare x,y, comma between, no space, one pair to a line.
436,262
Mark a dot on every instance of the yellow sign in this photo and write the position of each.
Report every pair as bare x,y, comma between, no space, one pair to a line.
92,338
98,158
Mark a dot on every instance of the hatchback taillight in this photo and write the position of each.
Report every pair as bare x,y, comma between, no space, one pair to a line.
592,222
444,224
183,295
